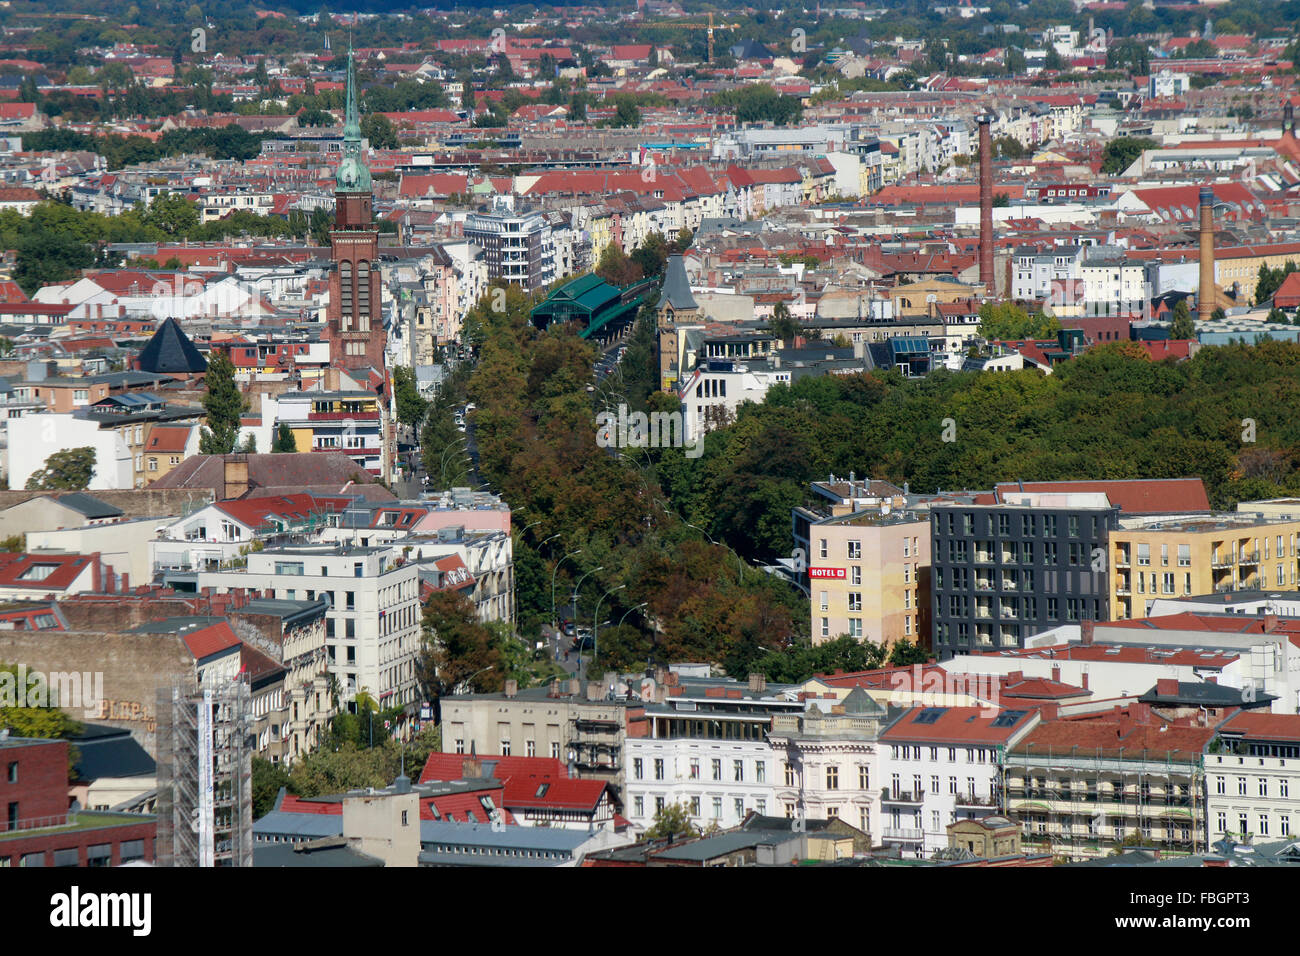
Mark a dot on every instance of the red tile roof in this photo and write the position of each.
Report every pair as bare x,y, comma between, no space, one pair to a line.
1251,723
1109,736
207,641
64,570
1153,496
957,724
452,766
251,512
169,438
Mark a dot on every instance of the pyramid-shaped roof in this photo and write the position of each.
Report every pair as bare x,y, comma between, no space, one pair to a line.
170,350
677,288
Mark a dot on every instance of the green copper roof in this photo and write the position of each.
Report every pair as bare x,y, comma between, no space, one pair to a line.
353,175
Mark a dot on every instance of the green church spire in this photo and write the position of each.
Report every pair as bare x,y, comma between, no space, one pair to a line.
353,175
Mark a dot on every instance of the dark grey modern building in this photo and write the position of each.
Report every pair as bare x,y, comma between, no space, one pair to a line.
1007,571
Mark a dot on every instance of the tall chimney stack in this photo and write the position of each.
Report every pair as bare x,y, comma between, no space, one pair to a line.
1205,295
986,206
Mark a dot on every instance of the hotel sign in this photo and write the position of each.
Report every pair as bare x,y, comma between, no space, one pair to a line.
826,573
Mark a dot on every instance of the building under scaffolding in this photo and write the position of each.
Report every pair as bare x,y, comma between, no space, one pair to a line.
1079,801
205,788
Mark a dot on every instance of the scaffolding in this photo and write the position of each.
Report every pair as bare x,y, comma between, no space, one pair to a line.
205,802
1083,804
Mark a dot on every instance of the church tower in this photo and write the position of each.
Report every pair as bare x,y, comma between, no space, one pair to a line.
354,323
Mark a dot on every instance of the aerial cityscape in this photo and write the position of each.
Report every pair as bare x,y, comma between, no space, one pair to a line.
650,434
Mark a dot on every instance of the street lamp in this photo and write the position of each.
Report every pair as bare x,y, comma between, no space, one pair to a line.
595,621
630,610
463,685
578,586
553,572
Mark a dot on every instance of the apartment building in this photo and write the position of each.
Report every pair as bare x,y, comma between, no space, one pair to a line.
352,422
1252,777
577,722
707,747
1176,556
942,764
517,247
1083,787
487,554
828,761
293,634
868,563
1007,571
372,629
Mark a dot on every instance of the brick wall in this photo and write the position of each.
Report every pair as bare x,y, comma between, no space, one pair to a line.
15,848
134,502
42,788
134,667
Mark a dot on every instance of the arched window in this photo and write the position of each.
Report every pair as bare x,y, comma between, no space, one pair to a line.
345,295
363,296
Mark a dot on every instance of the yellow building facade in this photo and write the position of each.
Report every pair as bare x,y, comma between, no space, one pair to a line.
1200,554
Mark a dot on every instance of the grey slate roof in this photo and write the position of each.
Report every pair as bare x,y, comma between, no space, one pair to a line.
109,752
309,826
170,350
88,505
312,853
677,288
710,848
1205,694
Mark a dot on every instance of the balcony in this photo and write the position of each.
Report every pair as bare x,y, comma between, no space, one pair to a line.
902,796
1222,561
1249,557
972,800
903,835
1122,561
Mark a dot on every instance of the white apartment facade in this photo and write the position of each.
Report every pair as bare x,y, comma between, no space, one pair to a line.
372,629
708,749
1252,778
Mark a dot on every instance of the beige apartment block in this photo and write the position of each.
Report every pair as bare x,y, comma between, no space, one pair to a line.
868,574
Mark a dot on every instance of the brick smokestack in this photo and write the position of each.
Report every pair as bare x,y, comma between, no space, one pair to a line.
986,207
1205,295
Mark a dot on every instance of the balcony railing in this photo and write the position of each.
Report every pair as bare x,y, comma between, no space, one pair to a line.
1249,557
39,823
896,833
973,800
902,796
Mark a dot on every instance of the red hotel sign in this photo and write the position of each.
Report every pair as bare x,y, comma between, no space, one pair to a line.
826,572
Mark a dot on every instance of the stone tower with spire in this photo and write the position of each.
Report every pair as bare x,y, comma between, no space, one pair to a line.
354,323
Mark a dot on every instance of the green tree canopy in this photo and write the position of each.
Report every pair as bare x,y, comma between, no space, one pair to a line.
1182,326
672,819
67,470
1006,321
284,440
224,404
1121,153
